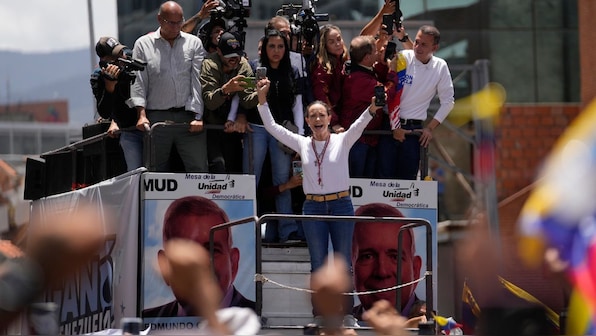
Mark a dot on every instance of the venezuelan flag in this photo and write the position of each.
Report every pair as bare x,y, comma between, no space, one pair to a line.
561,211
470,310
396,77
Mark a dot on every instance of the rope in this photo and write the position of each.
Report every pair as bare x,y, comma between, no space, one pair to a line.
263,279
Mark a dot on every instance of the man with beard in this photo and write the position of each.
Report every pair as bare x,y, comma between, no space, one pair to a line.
223,80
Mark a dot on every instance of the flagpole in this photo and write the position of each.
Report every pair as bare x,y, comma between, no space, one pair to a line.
92,48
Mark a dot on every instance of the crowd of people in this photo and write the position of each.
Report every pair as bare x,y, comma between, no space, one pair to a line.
198,78
314,105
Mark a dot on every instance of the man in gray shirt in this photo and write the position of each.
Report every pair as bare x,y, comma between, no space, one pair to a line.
169,90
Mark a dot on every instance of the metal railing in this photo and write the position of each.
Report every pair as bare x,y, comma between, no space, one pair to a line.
259,221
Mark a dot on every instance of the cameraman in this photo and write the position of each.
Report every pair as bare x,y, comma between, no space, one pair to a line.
111,88
192,25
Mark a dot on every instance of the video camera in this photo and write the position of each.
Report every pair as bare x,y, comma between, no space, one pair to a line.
231,9
236,10
304,19
127,65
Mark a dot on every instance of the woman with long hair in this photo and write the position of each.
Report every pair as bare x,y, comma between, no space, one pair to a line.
328,71
285,101
326,181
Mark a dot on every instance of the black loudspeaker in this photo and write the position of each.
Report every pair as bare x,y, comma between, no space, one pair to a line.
35,179
84,165
64,172
103,159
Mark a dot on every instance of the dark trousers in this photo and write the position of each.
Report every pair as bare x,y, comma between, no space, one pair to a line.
399,160
191,146
224,151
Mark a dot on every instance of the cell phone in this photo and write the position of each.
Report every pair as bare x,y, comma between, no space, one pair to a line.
380,95
390,50
388,22
250,82
261,72
297,167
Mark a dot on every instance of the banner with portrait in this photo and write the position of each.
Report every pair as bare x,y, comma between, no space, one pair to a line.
375,256
187,205
105,290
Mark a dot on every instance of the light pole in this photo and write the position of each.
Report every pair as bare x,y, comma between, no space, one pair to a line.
91,47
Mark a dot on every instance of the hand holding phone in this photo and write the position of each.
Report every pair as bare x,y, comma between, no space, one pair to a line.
250,82
390,50
380,95
261,72
388,23
297,167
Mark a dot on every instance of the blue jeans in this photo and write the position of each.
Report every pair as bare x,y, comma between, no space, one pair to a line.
317,234
132,147
363,160
262,142
399,160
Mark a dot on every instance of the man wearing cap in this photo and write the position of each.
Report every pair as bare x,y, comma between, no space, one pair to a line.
169,90
111,88
223,77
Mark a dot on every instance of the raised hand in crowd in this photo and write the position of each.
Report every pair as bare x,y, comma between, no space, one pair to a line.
329,283
58,244
189,25
186,269
374,25
383,317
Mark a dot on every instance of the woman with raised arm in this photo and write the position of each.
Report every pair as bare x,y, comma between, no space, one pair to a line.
285,100
326,180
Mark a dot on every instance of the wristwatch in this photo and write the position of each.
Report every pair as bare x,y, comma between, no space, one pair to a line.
406,38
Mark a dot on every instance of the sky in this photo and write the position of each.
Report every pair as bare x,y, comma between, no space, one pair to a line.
40,26
37,27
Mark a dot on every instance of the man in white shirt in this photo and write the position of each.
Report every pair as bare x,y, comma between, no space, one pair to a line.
424,77
169,90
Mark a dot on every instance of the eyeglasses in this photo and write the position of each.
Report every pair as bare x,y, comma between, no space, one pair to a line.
173,23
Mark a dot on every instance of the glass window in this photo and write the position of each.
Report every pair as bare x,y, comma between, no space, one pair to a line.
26,143
5,143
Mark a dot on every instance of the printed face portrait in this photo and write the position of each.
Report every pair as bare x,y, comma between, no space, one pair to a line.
375,262
193,226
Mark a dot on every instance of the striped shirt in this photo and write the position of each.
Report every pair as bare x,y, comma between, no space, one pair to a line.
171,77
